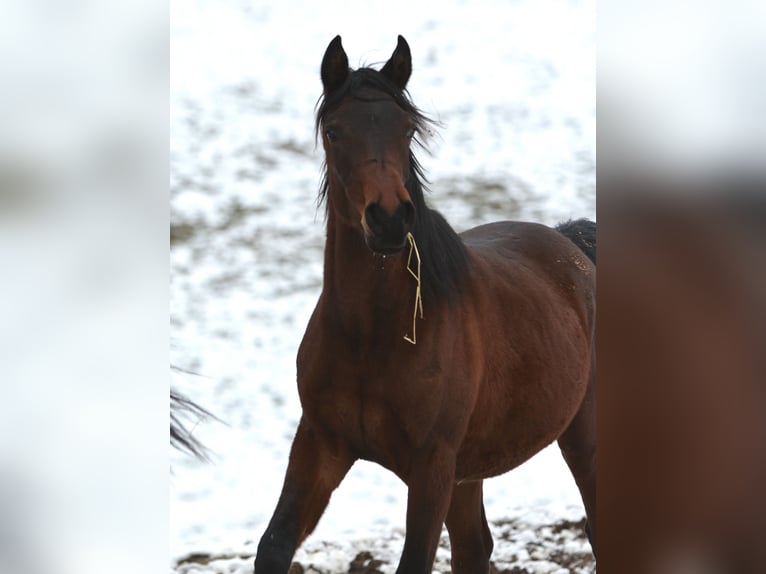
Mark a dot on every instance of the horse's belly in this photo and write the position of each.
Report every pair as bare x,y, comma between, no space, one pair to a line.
502,436
481,460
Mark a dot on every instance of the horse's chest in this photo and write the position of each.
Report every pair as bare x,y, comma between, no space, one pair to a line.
373,415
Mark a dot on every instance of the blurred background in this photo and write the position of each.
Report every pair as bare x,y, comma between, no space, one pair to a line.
83,287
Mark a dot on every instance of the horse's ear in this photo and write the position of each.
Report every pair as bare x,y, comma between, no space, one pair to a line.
334,66
399,66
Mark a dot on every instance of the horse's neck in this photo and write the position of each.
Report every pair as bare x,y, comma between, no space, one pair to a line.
366,293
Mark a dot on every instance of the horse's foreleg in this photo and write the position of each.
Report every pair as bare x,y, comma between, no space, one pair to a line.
314,471
430,481
469,534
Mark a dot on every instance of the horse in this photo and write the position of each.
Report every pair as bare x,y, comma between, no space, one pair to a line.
446,358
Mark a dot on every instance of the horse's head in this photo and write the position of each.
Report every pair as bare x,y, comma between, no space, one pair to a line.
367,124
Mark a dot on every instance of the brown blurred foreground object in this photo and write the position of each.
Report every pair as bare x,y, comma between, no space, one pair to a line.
682,357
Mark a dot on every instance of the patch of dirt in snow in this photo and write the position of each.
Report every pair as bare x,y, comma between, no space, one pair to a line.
520,548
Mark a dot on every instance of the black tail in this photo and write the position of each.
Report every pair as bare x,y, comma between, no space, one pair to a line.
582,233
180,437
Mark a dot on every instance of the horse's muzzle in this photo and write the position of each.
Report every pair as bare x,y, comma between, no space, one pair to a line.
386,233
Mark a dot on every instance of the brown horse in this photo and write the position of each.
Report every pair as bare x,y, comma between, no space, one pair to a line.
445,358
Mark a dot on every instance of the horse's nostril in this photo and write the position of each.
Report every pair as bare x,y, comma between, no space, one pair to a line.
408,215
375,217
393,225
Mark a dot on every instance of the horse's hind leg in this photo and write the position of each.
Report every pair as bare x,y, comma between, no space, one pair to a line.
313,472
578,446
469,534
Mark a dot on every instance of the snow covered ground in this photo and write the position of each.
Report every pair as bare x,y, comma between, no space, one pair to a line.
513,84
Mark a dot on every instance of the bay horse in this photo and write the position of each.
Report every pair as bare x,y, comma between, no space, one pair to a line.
446,358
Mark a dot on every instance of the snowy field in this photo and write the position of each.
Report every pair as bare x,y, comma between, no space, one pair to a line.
513,84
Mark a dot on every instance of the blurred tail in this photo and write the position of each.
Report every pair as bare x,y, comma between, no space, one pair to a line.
180,437
582,233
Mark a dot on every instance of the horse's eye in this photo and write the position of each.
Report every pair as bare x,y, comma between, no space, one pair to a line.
331,134
410,133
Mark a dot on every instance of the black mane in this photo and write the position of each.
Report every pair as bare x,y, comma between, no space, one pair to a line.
444,260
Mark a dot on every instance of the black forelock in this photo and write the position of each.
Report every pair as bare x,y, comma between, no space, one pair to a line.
357,85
